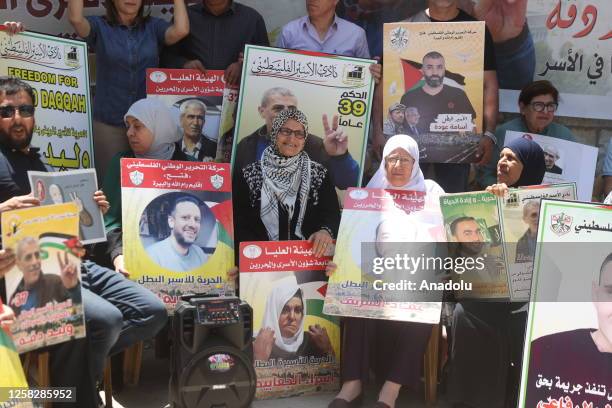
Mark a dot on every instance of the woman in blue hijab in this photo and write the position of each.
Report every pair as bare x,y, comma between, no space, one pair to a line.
486,340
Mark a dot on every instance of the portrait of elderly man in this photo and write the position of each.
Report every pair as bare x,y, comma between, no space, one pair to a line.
179,251
526,245
42,288
395,122
551,155
195,143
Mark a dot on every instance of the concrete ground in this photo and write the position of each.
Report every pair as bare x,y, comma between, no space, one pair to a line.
152,392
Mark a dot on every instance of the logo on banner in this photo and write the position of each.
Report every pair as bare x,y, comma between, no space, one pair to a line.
354,75
71,56
158,77
358,194
252,251
561,223
216,181
399,39
136,177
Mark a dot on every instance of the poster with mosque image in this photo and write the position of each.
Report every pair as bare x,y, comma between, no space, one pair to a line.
334,92
376,227
296,346
195,99
436,72
565,161
77,186
567,358
44,287
178,233
503,231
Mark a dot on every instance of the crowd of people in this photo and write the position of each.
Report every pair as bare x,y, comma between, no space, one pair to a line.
284,182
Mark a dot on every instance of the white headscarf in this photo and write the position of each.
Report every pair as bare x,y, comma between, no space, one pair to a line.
158,118
283,290
416,181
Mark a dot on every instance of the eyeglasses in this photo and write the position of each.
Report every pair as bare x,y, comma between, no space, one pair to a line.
25,111
540,106
299,134
403,161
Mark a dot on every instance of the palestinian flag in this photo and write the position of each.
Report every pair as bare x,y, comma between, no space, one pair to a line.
314,296
413,77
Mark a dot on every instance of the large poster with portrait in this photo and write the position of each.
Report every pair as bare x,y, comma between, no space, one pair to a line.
378,227
334,92
57,69
296,347
195,99
77,186
567,359
433,72
44,286
178,233
500,231
225,142
565,161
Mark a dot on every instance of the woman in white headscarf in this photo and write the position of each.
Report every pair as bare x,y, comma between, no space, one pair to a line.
152,132
282,332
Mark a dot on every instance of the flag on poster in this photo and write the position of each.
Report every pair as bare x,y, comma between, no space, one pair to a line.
44,286
195,99
435,71
334,92
178,233
296,348
378,225
567,358
58,71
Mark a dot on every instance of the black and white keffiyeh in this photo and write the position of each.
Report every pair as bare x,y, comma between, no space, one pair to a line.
284,179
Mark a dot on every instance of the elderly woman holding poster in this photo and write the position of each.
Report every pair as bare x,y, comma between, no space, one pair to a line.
487,337
538,103
152,133
286,195
397,362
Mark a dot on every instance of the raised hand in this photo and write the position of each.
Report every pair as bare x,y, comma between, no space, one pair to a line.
505,18
336,140
18,202
262,346
101,201
320,338
499,190
13,27
68,271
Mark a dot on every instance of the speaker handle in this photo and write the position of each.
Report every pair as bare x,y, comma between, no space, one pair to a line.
189,309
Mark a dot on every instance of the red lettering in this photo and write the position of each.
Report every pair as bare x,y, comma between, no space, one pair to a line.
4,5
606,37
47,6
555,19
60,11
589,23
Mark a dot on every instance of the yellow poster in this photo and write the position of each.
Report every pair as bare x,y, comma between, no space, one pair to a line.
44,287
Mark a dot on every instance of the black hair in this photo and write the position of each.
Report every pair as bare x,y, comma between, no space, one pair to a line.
112,15
453,226
10,85
538,88
184,199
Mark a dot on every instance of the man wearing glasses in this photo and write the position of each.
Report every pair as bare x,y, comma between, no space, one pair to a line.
537,103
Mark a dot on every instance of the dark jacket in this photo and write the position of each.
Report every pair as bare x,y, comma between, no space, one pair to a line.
49,288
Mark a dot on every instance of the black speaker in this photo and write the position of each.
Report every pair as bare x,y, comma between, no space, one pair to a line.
211,360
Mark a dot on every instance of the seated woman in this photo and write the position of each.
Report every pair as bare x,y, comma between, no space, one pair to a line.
487,336
282,332
400,346
286,195
152,133
538,103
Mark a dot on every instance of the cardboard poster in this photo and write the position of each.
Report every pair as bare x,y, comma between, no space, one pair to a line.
195,99
178,233
44,286
435,70
331,90
296,347
78,186
567,359
565,162
503,231
225,142
380,225
57,70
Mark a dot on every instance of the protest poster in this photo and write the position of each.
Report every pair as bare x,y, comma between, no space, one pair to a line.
178,235
44,286
225,141
378,225
195,99
435,70
565,161
57,69
285,285
567,360
503,230
77,186
334,92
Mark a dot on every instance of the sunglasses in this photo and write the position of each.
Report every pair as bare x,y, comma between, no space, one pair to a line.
25,111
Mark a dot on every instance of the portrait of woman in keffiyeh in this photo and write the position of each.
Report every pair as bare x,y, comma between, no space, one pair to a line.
286,195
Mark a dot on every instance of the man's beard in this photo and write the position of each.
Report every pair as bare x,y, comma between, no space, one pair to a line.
180,239
434,81
7,140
